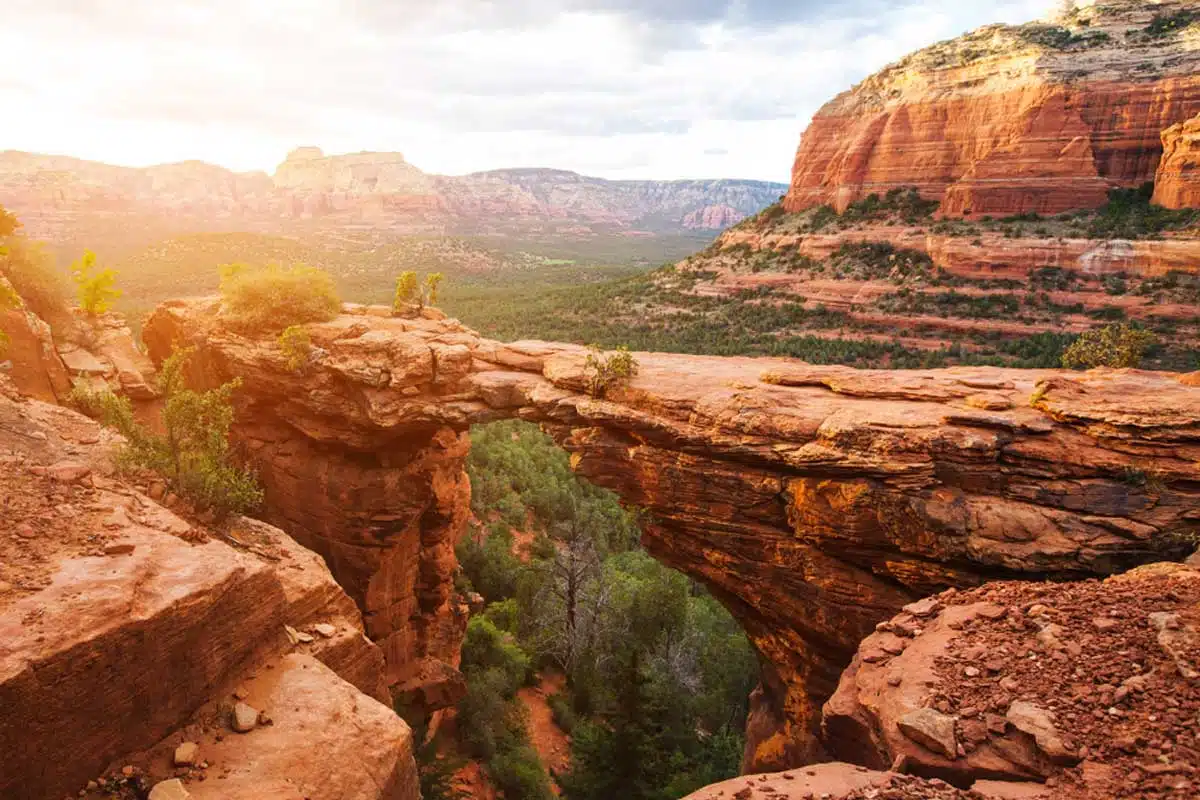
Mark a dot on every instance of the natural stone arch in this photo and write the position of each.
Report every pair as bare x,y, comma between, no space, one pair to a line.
813,501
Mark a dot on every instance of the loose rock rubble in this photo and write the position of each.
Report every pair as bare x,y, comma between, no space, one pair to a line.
1089,688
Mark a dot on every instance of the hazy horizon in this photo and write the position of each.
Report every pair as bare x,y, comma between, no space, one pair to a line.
616,89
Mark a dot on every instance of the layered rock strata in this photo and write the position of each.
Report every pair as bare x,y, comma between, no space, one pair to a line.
124,627
1044,117
814,501
1177,184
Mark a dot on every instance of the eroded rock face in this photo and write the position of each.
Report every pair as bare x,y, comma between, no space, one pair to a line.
1177,184
120,622
1005,120
1070,685
814,501
30,357
45,361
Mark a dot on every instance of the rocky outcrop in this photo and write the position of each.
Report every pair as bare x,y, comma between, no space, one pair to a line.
29,355
125,629
813,501
713,218
1009,119
1177,184
58,198
1084,690
99,352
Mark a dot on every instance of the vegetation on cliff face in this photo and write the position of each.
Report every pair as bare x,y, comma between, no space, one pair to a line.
189,448
871,303
658,673
30,269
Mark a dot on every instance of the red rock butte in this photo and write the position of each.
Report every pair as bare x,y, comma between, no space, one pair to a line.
1043,117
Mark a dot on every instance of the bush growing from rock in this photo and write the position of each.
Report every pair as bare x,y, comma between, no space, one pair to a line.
96,288
258,299
8,299
604,370
296,346
192,453
30,270
410,291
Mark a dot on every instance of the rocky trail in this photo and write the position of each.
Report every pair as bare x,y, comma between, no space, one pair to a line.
552,744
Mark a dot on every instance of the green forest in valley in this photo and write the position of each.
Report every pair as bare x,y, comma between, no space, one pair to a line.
657,672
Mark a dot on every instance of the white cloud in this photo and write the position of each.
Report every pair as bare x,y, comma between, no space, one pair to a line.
665,88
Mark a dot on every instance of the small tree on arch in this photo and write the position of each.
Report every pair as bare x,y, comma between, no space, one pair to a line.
603,370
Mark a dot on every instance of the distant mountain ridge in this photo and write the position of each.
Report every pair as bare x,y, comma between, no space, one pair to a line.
55,194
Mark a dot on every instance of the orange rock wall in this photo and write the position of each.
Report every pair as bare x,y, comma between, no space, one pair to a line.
1177,184
1035,147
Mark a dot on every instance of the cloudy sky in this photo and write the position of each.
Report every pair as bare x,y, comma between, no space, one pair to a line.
618,88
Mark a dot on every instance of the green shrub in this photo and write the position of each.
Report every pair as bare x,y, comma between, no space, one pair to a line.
430,287
562,712
256,300
1130,214
1119,345
407,291
8,299
95,287
519,774
31,271
487,647
603,370
296,346
1164,25
192,452
410,292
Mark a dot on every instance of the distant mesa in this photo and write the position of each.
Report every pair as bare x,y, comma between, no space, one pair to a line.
305,154
56,196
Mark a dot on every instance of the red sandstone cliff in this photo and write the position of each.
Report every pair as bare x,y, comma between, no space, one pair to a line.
1177,184
1006,120
814,501
126,630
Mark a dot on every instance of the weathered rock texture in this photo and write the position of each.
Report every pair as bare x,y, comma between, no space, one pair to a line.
1089,687
1006,120
120,623
814,501
1177,184
30,355
46,361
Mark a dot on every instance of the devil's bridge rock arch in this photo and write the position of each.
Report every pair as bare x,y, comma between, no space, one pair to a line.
813,501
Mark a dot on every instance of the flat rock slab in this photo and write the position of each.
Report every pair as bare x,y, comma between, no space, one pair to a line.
302,754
